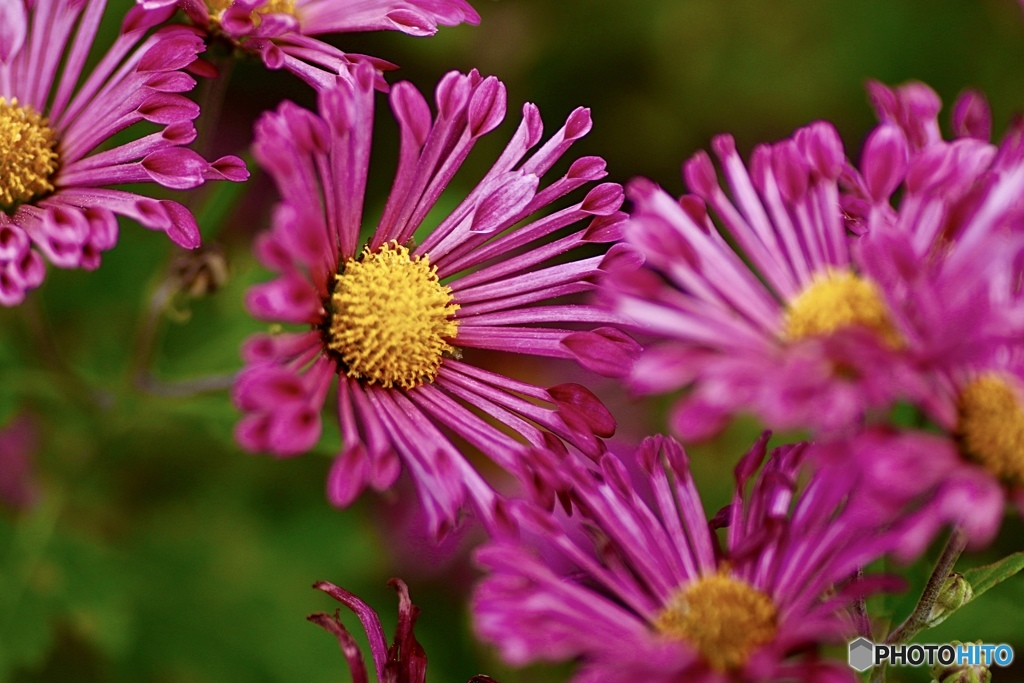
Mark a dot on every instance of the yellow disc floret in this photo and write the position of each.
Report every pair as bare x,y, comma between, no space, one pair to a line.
724,618
28,155
391,318
990,428
218,7
837,300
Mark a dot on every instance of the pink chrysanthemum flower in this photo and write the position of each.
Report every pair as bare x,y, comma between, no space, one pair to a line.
403,662
397,321
921,476
955,248
54,117
283,32
784,324
634,586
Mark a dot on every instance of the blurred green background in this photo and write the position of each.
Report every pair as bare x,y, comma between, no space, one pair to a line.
155,550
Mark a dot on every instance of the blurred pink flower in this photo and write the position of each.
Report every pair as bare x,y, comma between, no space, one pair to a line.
18,445
634,583
768,310
954,247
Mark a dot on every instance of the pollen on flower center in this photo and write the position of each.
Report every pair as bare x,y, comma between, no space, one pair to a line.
391,318
28,155
990,427
722,617
218,7
838,300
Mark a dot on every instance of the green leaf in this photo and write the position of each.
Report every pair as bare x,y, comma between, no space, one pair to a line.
984,578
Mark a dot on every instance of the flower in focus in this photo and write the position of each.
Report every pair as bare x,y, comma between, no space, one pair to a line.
282,31
54,116
633,582
396,321
785,324
403,662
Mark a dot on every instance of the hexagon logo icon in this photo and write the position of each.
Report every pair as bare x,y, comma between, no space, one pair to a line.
862,654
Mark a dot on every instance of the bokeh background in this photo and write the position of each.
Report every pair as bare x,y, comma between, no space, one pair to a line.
138,543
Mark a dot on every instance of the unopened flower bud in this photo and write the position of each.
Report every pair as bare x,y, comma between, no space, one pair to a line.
962,673
956,592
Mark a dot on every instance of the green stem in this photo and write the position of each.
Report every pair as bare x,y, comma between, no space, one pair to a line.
28,548
185,388
918,619
211,101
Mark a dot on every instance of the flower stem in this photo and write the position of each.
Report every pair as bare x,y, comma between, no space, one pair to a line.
211,101
918,619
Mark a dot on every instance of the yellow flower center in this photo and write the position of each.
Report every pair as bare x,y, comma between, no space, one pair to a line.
991,427
218,7
28,155
391,318
724,618
838,300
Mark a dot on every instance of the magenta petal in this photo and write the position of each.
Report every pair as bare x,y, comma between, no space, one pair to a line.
487,107
790,168
698,172
603,200
339,108
606,351
289,298
972,117
175,167
168,108
411,110
607,228
172,53
694,419
581,400
587,169
578,124
367,617
301,233
251,432
230,168
262,389
294,429
146,15
885,160
413,23
237,20
823,148
348,476
13,242
451,94
181,133
384,470
514,193
103,227
273,56
183,230
13,25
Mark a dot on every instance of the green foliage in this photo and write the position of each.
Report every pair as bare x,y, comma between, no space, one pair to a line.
160,552
981,579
